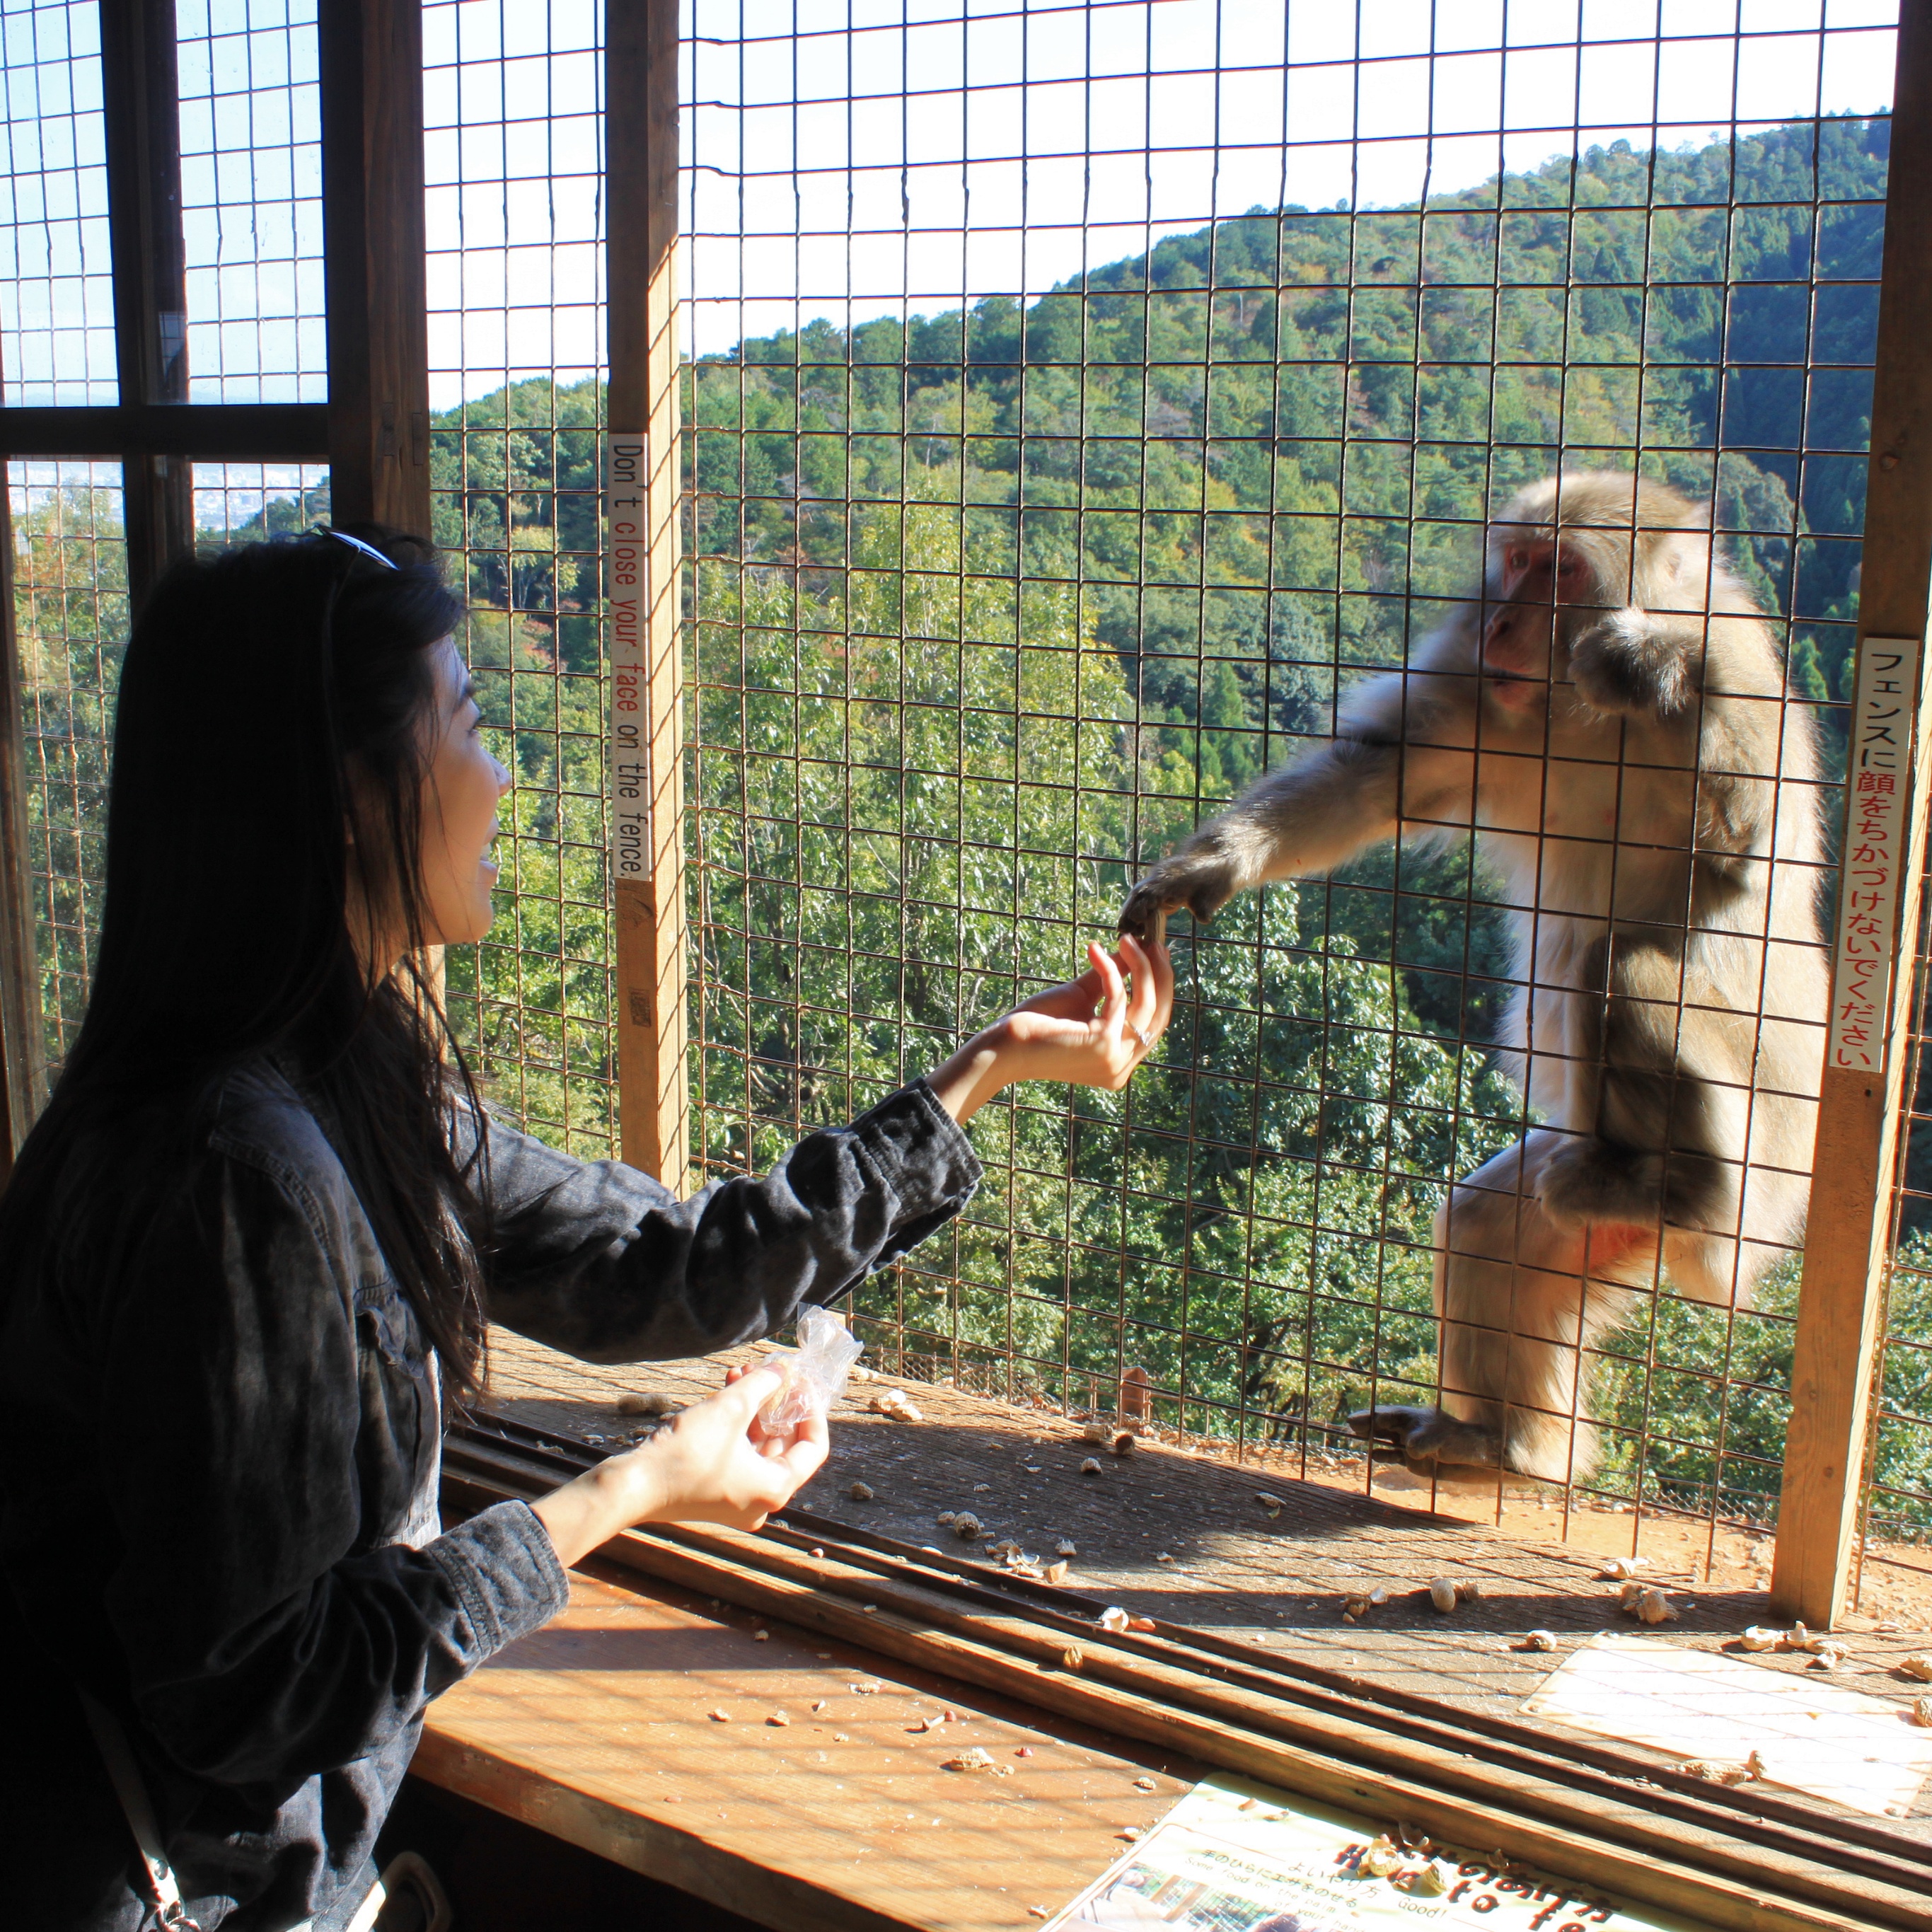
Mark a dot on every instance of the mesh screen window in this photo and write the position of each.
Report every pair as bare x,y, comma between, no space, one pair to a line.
1081,398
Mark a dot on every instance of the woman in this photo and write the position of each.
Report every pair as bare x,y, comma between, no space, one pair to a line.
249,1253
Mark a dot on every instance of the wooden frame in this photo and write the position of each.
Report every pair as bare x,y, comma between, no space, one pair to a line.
1842,1300
375,273
643,572
141,89
373,431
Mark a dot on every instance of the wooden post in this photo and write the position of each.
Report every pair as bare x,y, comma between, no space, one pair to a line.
1841,1302
641,582
142,96
21,1044
374,272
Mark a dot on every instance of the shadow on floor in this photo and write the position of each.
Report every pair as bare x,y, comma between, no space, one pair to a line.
504,1877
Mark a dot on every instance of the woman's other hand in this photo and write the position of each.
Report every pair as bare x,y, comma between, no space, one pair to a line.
712,1463
1093,1032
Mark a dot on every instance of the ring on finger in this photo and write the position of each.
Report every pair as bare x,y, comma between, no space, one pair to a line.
1141,1034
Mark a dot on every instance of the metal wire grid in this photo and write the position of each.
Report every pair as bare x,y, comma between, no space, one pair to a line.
243,503
56,292
513,106
71,619
251,200
996,584
1897,1499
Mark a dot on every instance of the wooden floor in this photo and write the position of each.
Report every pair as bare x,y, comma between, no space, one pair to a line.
1180,1536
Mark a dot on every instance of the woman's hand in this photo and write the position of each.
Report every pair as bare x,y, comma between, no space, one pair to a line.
712,1463
1093,1031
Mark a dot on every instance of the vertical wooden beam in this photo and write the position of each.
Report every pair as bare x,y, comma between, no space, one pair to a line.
141,95
22,1057
641,564
374,272
1841,1302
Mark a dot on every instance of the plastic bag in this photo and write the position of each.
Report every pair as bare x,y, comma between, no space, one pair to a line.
815,1371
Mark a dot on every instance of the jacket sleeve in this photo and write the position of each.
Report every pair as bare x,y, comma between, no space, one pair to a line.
603,1262
265,1640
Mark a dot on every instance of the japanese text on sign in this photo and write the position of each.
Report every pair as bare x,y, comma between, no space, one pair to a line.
1878,780
627,579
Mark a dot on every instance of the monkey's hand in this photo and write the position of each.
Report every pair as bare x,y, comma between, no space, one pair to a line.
1202,878
1632,663
1424,1437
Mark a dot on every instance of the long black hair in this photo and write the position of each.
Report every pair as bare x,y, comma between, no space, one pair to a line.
276,701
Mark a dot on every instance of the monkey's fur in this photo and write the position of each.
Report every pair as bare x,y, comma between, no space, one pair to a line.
1611,722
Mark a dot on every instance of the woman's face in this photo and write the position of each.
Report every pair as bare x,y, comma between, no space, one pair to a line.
459,811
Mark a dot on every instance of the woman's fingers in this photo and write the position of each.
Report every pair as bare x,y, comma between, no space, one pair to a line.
807,1454
1111,1019
1153,972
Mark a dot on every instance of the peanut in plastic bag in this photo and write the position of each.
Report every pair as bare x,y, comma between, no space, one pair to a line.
815,1371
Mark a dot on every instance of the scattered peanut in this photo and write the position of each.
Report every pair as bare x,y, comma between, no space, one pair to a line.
647,1403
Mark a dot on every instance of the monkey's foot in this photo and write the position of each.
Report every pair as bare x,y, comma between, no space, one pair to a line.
1426,1439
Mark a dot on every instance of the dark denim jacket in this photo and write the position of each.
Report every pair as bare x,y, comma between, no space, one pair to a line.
217,1479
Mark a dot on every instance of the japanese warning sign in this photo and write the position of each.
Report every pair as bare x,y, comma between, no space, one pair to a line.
1878,772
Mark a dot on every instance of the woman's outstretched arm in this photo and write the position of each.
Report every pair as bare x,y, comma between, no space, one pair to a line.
601,1261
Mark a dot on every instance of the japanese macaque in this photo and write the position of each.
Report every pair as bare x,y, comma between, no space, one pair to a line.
1610,720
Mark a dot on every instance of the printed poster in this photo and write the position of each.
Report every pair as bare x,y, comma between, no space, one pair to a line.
1236,1857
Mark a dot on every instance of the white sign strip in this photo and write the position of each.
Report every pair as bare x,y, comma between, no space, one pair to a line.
1878,773
627,564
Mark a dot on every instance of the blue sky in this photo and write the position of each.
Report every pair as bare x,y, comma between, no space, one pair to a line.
850,158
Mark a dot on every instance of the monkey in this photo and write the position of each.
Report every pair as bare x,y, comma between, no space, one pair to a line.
1610,720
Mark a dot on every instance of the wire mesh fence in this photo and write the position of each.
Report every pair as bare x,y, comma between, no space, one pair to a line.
1898,1491
251,200
70,623
1081,398
515,173
56,292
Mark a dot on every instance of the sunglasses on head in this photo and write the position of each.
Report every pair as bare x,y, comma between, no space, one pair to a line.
356,543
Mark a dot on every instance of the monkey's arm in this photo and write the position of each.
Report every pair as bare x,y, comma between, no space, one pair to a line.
1320,810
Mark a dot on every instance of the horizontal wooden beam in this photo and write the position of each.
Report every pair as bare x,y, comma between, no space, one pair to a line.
231,432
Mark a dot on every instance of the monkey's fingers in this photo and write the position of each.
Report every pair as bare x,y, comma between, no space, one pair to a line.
1145,911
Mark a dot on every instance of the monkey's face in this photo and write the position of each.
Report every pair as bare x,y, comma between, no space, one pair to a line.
1531,577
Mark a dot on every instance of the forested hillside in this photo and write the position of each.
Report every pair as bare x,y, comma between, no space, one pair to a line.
988,603
988,606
